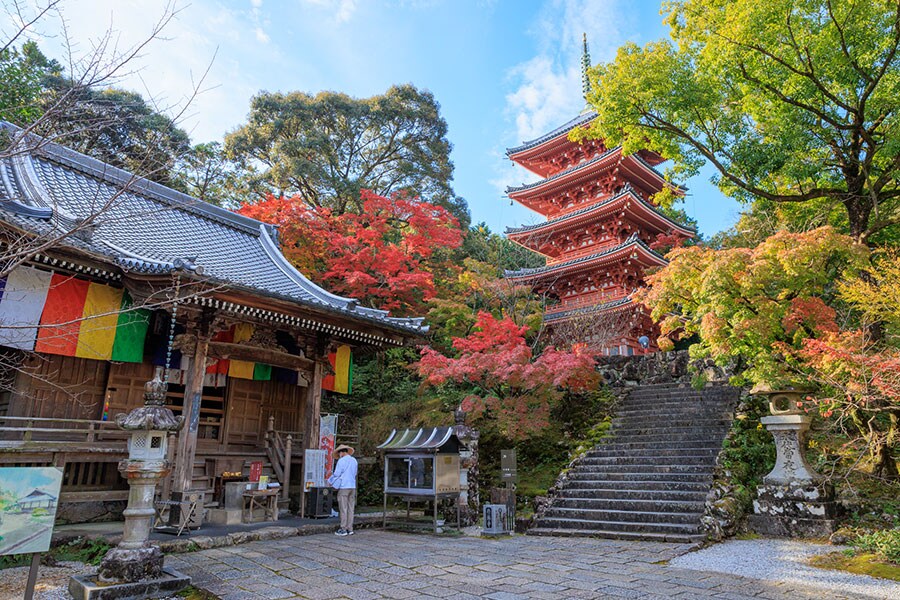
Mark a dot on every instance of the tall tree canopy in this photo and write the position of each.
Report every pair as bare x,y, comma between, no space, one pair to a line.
116,126
793,101
327,148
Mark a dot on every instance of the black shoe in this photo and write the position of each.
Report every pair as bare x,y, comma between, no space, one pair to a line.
341,532
351,532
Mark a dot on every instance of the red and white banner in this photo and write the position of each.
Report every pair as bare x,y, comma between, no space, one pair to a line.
327,433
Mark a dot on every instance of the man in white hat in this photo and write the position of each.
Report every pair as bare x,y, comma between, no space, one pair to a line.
344,481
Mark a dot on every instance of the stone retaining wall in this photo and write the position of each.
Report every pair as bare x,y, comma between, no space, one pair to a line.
660,367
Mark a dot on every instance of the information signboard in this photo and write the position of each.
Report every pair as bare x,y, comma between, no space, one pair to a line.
29,497
508,466
314,468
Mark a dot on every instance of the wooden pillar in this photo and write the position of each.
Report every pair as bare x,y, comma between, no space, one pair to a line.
193,390
313,406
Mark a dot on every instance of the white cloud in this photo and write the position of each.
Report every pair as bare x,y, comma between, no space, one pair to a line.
340,10
205,34
546,89
548,86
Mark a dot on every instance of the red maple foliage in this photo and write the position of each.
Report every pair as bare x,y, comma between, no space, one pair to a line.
382,256
509,382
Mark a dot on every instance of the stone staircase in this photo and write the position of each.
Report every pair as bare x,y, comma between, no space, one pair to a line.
649,479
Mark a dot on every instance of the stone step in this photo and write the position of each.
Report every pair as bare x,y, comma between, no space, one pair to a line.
619,444
699,422
635,526
661,485
630,505
651,468
651,459
675,538
675,439
641,476
657,414
672,433
604,451
623,515
640,492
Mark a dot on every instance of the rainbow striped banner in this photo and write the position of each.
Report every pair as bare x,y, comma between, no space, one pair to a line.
60,314
341,381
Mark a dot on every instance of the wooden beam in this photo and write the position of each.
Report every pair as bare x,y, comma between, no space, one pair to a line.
277,358
313,406
193,390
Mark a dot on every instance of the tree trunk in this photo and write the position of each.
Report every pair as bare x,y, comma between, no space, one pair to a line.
883,456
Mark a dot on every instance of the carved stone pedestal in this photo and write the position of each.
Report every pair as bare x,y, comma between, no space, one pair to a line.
794,510
793,501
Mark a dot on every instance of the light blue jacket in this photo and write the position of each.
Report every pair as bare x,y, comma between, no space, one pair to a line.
344,476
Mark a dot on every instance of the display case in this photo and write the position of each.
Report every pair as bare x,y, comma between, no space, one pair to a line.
422,465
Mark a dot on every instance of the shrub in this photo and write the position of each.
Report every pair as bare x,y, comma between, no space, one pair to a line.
886,544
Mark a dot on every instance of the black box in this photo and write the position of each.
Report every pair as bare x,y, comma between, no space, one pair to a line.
319,502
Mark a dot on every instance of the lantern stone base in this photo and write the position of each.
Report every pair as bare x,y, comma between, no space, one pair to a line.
800,509
88,587
131,564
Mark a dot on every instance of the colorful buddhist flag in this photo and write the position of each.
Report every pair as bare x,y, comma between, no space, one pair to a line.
131,331
341,381
82,318
24,295
97,334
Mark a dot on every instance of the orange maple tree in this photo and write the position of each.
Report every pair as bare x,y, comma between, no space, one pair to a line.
506,380
385,256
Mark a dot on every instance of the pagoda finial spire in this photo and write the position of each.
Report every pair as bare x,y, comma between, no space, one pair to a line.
585,65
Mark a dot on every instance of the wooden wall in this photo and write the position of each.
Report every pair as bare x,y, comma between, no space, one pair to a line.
249,405
60,387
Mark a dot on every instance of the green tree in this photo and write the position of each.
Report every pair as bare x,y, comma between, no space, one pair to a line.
119,127
23,72
329,147
792,101
205,173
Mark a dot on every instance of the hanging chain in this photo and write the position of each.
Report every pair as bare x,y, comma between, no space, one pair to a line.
172,327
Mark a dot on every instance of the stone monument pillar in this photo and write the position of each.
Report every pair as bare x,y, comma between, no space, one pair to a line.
468,473
134,568
793,500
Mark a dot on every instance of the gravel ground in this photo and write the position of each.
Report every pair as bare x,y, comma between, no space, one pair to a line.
784,561
51,584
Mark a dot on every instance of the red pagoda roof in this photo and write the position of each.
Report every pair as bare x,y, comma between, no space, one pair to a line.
617,304
607,255
581,119
648,210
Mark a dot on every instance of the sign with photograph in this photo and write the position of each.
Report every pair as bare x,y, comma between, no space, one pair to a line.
28,500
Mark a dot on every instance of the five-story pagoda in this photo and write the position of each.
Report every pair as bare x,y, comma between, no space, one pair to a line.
600,229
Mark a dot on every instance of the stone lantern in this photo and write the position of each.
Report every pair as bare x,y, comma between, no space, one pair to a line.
793,501
134,568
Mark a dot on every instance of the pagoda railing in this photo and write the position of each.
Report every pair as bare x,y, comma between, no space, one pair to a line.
583,301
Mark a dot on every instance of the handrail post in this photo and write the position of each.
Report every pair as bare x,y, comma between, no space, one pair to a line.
287,467
26,437
91,436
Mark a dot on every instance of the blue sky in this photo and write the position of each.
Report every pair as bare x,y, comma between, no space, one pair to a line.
503,70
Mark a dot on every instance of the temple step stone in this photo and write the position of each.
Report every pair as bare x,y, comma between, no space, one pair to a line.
649,478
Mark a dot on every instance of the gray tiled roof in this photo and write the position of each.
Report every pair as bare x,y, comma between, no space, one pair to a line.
146,227
593,207
579,120
633,240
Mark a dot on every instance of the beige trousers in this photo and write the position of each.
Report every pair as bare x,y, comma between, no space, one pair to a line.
346,506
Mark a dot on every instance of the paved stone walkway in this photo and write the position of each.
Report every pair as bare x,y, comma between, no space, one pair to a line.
380,564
